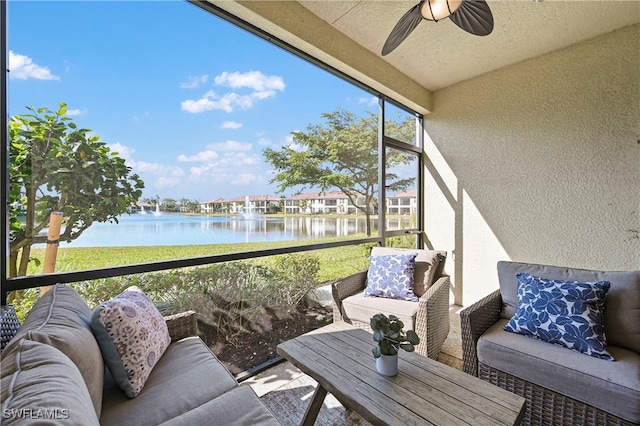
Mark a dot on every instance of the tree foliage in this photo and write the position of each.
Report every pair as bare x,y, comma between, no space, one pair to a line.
342,153
57,167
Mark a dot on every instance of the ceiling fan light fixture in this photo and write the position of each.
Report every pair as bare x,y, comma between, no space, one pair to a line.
435,10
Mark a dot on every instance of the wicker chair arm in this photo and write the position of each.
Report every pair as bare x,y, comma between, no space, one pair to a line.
181,325
344,288
432,318
474,321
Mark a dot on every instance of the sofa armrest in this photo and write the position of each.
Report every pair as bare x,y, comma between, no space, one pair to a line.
432,318
181,325
344,288
474,321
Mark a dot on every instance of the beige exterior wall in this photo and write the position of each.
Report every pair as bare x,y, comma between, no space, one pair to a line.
538,162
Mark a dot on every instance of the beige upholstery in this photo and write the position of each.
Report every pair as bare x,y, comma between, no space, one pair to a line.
39,382
361,308
187,364
52,364
60,318
429,317
562,386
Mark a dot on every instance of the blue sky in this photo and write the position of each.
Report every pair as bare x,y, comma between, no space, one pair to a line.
189,100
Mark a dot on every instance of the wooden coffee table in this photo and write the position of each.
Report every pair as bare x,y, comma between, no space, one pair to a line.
425,392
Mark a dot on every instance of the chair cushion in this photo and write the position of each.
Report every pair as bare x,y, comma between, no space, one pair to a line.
622,306
567,313
605,385
60,318
132,335
238,407
41,385
391,276
429,264
187,376
361,308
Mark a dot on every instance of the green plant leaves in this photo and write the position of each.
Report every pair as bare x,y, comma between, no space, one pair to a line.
389,333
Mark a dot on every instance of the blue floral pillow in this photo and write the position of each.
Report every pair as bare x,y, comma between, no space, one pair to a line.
567,313
391,276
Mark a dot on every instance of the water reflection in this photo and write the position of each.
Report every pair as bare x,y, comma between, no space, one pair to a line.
174,229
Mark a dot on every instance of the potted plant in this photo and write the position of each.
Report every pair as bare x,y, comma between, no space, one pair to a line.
389,333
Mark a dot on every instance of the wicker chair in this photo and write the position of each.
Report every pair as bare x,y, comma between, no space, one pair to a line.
431,318
544,406
181,325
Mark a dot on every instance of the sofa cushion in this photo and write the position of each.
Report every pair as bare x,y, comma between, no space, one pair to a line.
60,318
361,308
429,264
567,313
132,335
606,385
41,385
622,306
391,276
238,407
186,377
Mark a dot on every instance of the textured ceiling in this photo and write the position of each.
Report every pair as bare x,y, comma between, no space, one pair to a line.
439,54
349,35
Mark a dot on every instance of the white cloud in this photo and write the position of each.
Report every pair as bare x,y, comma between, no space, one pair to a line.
369,101
202,156
245,179
76,112
123,151
263,87
210,101
290,143
194,81
231,146
230,125
238,159
22,68
252,79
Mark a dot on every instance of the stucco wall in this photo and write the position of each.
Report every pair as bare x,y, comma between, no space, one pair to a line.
538,162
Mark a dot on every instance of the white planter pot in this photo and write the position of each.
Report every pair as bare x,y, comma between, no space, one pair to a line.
387,365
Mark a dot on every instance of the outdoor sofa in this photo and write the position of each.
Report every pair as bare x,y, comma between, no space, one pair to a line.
428,316
53,373
562,386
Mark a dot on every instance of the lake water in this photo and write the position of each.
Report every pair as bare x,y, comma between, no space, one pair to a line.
175,229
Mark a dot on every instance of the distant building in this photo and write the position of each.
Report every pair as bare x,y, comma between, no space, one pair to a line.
404,203
336,202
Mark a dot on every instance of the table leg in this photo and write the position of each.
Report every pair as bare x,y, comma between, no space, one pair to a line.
314,407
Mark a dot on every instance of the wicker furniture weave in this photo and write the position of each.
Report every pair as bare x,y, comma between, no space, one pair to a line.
432,319
544,407
181,325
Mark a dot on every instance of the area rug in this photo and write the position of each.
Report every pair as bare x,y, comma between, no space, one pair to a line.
289,403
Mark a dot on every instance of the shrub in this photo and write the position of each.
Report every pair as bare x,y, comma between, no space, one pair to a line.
231,296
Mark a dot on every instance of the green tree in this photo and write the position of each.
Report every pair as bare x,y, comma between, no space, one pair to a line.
341,153
57,167
169,205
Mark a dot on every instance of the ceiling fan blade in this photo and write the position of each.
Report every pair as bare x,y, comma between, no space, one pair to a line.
403,28
474,16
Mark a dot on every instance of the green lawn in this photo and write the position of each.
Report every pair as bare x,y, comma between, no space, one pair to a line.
334,263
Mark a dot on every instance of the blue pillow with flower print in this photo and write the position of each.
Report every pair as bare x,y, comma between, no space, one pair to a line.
391,276
567,313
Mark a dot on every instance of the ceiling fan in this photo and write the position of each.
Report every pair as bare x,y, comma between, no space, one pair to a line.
473,16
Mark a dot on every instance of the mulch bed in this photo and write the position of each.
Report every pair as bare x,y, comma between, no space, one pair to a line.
243,351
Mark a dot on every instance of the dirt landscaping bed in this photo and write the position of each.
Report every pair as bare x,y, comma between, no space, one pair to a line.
242,351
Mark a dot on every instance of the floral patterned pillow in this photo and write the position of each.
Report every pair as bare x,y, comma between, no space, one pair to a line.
132,335
567,313
391,276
